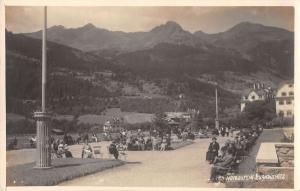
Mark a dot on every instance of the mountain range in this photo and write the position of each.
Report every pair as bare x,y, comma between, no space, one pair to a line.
90,38
177,60
268,47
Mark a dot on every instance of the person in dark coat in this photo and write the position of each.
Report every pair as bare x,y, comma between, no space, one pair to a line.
113,150
213,150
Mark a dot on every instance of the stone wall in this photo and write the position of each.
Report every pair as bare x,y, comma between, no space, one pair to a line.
285,154
276,158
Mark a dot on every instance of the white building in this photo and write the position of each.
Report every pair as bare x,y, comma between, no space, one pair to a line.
257,93
178,115
285,100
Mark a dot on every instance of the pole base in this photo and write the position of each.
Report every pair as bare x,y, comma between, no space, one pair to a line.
43,149
42,168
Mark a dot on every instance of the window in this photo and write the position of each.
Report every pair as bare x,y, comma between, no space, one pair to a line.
289,113
281,113
289,102
290,85
253,97
283,93
291,93
281,103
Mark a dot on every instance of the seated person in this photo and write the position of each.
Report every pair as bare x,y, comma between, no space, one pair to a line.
226,145
60,151
87,151
113,150
220,167
68,153
232,147
220,157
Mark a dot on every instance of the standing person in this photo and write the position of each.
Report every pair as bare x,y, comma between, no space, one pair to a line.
65,138
231,131
168,139
163,145
227,131
86,137
213,150
32,141
222,131
154,142
94,137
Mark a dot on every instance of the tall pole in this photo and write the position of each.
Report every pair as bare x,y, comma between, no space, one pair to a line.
44,61
43,148
217,109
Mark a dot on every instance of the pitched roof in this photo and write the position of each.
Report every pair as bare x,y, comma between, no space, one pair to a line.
284,83
259,92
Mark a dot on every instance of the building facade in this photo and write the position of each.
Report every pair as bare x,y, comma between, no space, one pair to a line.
285,100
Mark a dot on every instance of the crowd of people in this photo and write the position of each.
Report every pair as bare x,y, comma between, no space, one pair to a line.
141,141
227,157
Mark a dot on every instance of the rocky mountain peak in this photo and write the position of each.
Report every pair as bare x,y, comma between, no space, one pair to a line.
89,26
170,26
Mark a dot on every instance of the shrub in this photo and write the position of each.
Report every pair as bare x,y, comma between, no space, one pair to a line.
20,127
282,122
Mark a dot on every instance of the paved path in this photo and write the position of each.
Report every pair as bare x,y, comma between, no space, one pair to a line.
185,167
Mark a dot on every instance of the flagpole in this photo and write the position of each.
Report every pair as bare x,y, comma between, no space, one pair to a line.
217,108
43,145
44,61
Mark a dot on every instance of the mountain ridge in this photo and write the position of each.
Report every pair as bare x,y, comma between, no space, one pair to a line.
91,38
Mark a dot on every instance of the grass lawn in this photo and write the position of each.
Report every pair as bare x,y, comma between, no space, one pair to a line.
62,170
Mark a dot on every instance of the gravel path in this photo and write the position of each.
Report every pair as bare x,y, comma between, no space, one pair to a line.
185,167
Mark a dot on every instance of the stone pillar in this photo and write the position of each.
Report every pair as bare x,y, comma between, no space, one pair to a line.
43,154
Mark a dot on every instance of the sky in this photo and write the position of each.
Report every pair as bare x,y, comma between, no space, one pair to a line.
20,19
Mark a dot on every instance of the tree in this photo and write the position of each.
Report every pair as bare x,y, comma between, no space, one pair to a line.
197,122
161,124
259,112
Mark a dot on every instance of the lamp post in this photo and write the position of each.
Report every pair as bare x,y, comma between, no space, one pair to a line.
43,151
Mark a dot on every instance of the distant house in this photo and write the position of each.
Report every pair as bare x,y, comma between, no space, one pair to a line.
103,74
107,126
285,100
258,93
178,116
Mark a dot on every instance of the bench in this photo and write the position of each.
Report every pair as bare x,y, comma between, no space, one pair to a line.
97,152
